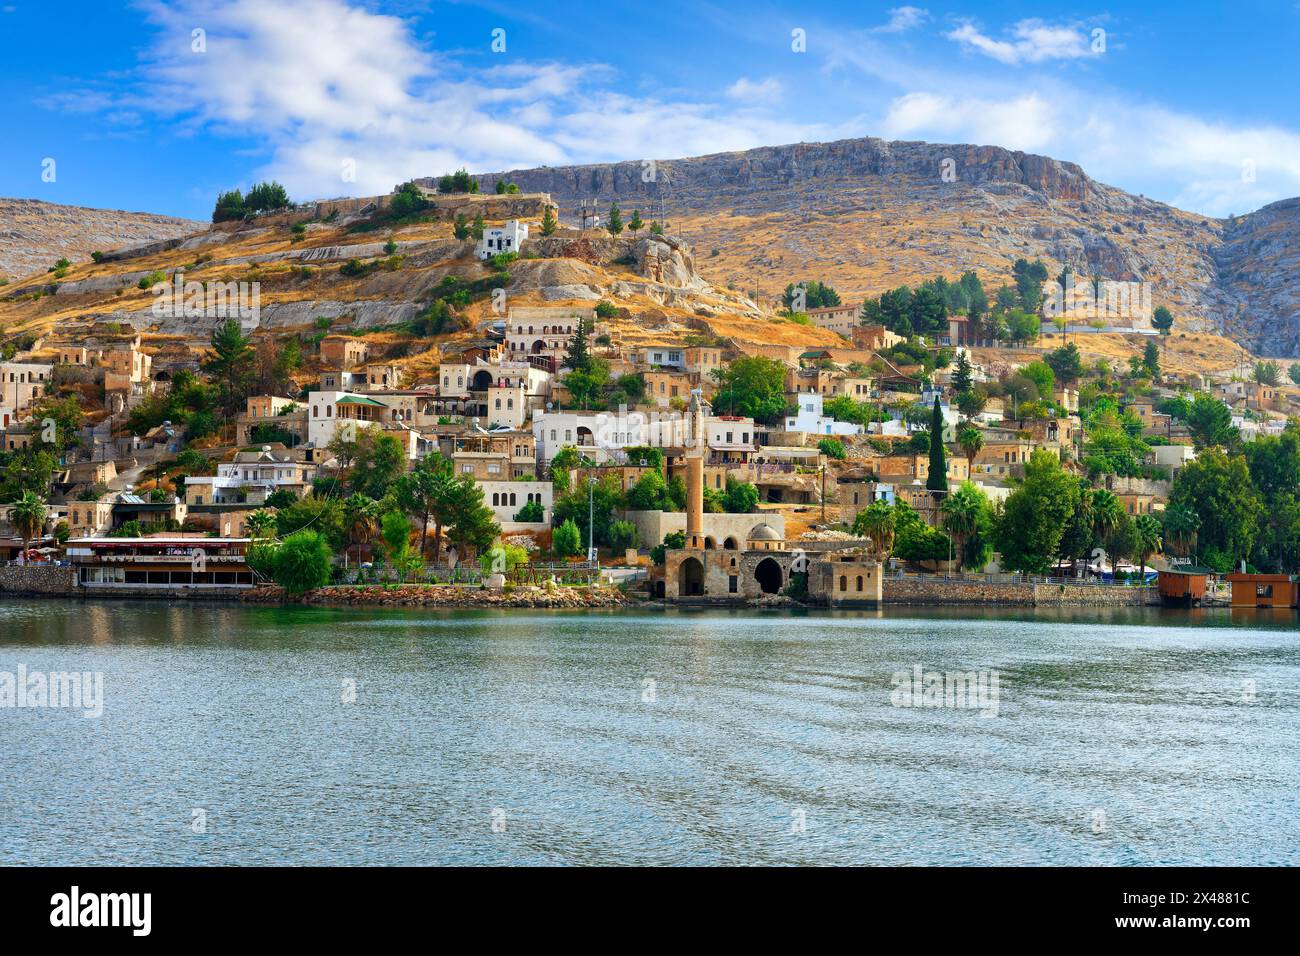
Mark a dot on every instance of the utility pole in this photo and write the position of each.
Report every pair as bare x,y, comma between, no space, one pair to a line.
591,523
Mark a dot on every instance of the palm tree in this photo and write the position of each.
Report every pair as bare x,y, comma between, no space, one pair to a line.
1107,513
970,439
877,522
962,513
1181,527
28,517
261,523
1148,539
360,523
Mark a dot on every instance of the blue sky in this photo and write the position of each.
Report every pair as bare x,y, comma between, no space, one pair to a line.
1182,102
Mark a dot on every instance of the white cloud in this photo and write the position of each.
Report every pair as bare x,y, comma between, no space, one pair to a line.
320,82
1192,163
1032,41
902,19
761,91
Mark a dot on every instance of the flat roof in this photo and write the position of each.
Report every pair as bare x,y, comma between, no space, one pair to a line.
159,541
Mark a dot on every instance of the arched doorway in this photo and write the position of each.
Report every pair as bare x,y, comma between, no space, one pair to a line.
709,544
538,347
768,575
730,545
481,381
690,578
659,589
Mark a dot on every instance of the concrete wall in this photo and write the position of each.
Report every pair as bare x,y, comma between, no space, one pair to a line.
951,592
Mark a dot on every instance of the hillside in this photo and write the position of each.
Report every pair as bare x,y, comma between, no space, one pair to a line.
867,215
35,234
304,288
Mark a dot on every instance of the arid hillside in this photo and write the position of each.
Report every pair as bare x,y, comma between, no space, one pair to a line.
867,215
34,235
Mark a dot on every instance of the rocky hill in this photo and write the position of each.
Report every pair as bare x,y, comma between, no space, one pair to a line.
867,215
35,234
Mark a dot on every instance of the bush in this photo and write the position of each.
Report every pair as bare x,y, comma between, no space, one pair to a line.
832,448
301,563
566,542
606,310
152,279
531,511
622,535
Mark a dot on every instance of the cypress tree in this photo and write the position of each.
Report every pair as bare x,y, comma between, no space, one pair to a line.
938,477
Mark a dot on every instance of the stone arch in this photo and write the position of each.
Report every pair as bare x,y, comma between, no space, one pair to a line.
768,575
690,578
538,347
709,543
481,381
660,590
844,582
731,544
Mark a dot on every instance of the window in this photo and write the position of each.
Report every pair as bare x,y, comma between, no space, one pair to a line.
859,582
844,582
733,584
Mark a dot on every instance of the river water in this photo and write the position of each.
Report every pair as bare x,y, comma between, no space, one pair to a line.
241,735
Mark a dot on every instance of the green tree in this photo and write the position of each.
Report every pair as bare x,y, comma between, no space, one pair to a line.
360,522
622,535
1149,539
1266,373
752,386
832,448
469,522
321,515
1162,320
460,226
876,521
422,491
231,363
741,497
565,542
1034,517
1210,422
1181,529
266,197
1151,359
1219,489
635,223
1066,364
380,459
1293,372
302,563
532,512
27,515
968,517
261,523
937,479
395,530
615,222
970,440
549,223
961,378
406,201
230,206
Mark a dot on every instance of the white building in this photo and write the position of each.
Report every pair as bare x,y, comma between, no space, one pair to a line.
507,405
506,498
22,383
508,238
598,434
250,478
809,417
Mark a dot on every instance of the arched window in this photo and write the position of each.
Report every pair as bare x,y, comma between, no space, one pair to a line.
844,582
512,501
859,582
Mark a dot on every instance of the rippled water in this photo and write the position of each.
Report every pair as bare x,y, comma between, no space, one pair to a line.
658,737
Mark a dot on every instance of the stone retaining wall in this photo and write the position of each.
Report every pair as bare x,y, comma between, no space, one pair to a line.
35,579
944,592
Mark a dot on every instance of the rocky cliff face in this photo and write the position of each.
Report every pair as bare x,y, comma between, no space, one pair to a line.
34,234
867,215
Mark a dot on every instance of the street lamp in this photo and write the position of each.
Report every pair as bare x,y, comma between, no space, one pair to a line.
591,522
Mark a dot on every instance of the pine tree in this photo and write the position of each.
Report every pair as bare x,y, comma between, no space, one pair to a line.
549,225
615,223
578,358
635,222
460,228
961,379
938,477
477,231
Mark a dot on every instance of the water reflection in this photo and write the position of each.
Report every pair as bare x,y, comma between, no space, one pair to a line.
651,737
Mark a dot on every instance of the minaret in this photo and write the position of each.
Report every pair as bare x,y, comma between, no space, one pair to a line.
696,443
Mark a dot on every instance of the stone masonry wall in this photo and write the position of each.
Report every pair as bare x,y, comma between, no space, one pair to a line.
15,579
937,592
